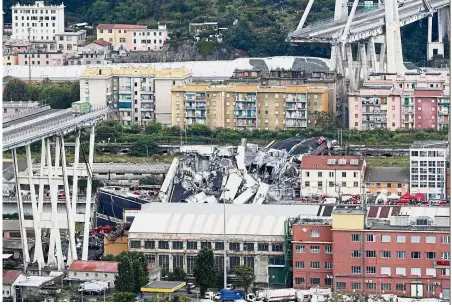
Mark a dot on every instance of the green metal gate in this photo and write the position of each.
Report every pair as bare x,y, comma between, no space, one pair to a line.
276,276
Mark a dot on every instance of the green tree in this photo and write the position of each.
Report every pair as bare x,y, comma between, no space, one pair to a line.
132,272
206,47
246,275
178,274
144,148
124,297
204,270
109,258
15,90
57,96
9,265
153,128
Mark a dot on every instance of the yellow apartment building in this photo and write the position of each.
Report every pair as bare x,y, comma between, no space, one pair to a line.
116,34
247,106
390,180
10,60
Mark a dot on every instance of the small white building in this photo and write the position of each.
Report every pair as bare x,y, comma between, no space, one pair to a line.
97,52
69,42
332,175
9,278
428,161
104,271
43,21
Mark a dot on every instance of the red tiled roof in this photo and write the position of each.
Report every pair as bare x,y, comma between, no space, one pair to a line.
9,276
120,26
101,42
96,266
321,162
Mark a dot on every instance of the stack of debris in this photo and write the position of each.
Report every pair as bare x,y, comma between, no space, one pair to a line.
238,175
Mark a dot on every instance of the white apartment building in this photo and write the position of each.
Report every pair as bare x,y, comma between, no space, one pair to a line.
428,168
138,95
42,21
332,175
70,42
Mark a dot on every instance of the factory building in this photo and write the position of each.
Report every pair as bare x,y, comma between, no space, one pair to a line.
405,254
172,234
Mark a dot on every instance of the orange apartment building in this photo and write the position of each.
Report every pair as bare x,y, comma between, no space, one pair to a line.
402,256
390,179
248,106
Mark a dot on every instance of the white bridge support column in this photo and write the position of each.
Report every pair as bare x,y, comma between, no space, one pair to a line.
72,250
38,256
88,196
372,55
394,56
23,230
364,60
435,48
350,69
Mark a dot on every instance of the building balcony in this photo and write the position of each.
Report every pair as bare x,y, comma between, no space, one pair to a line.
246,123
245,108
146,90
196,121
296,125
296,117
443,112
195,115
125,89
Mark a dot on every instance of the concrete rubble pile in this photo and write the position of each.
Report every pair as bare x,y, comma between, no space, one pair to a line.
245,174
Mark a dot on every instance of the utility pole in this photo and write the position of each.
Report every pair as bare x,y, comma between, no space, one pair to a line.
29,55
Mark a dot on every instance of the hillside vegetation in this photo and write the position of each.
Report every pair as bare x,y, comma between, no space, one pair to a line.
261,29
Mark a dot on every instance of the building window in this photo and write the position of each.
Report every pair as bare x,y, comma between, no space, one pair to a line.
385,254
355,184
262,247
314,249
371,238
234,261
445,271
329,249
445,240
356,237
385,270
299,249
249,261
149,244
319,174
206,244
277,247
315,265
190,264
315,281
356,269
276,260
328,265
248,247
234,246
416,271
385,238
135,244
415,254
371,270
371,286
431,255
164,262
178,245
219,246
341,285
430,272
385,287
400,271
401,254
371,253
415,239
344,174
315,233
163,244
356,253
150,258
192,245
299,265
445,255
356,286
299,280
430,239
401,238
328,281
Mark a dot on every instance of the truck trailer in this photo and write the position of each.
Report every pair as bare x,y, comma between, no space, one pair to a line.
277,295
93,287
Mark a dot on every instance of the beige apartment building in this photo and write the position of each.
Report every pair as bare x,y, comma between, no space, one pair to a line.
247,106
116,34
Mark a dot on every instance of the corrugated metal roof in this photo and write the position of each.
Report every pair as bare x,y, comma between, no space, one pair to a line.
184,218
200,69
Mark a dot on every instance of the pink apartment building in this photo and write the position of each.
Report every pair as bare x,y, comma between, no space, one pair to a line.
147,39
413,101
41,59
